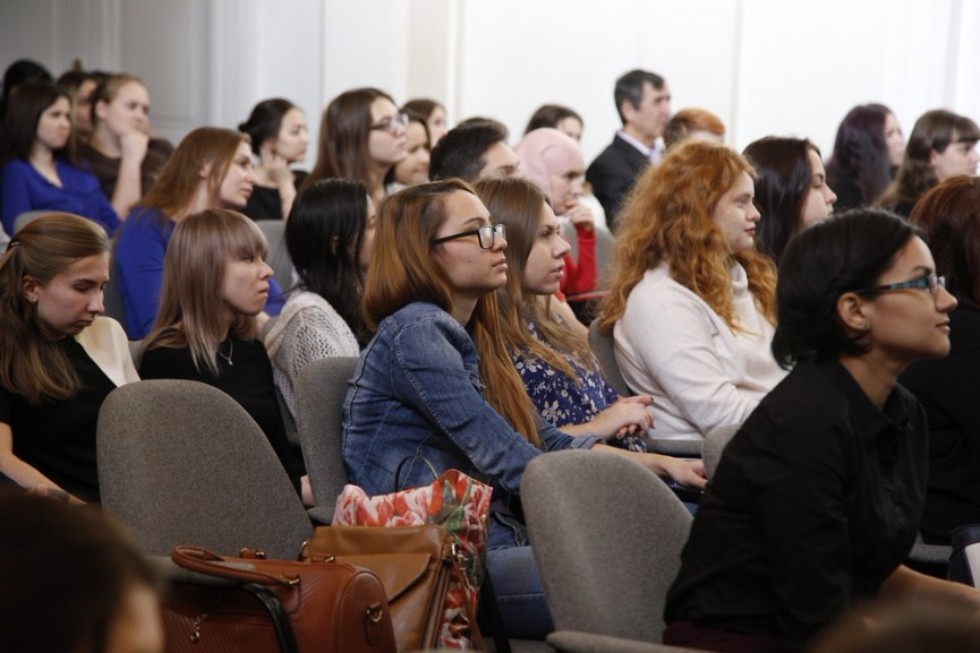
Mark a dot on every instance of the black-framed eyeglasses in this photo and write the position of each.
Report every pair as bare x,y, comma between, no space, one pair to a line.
485,235
393,124
931,282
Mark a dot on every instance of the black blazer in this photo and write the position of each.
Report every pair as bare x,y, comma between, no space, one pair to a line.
612,174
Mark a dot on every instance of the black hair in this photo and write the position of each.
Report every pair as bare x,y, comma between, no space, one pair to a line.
843,254
324,235
460,153
265,121
629,88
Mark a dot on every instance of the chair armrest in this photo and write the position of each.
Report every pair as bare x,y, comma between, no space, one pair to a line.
570,641
321,515
674,447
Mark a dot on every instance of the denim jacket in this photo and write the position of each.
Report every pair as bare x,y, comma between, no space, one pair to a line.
416,395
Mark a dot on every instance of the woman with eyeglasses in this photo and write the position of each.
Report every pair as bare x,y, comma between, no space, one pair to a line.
436,384
817,499
362,136
949,214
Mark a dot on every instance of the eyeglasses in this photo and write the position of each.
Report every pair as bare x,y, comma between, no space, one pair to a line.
930,282
393,124
485,235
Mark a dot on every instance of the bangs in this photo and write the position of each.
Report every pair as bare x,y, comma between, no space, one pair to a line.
244,239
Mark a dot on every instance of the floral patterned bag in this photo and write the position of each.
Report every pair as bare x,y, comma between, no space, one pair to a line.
461,505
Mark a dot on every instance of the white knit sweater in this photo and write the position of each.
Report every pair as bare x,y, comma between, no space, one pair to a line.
672,345
308,329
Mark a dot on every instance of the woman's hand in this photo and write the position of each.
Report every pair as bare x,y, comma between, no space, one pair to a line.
686,472
581,217
133,145
625,417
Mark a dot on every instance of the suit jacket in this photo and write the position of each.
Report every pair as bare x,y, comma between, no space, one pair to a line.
612,174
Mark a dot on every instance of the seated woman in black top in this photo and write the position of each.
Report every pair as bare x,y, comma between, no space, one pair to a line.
58,359
817,499
215,281
950,216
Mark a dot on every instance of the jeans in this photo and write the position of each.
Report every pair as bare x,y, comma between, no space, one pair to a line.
520,595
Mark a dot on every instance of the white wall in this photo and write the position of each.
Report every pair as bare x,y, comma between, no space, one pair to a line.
764,66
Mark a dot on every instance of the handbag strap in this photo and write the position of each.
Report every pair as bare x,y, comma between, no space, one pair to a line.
206,562
401,465
280,621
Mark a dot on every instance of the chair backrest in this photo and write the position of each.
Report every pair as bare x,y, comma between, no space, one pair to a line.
715,442
320,393
604,350
605,253
181,462
278,258
27,217
607,536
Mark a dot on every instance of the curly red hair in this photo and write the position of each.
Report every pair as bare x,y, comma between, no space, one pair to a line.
667,219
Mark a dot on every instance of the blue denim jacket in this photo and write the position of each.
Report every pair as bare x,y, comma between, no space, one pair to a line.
416,395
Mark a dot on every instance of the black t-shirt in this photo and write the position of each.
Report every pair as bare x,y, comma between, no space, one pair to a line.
58,437
816,501
265,203
106,168
247,380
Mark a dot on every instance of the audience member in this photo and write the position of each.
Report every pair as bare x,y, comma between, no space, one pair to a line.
215,282
691,306
562,118
210,169
643,102
330,237
362,136
868,149
21,72
942,145
79,85
279,135
560,374
473,151
553,162
414,168
122,152
791,190
816,501
437,385
435,117
949,214
38,173
74,580
58,358
693,123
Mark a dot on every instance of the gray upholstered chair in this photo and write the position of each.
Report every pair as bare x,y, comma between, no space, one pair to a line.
278,257
607,536
604,351
27,217
181,462
320,392
714,444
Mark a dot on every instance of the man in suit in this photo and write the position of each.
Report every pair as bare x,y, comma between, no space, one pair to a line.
643,101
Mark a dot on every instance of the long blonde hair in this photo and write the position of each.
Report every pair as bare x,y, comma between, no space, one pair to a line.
667,219
403,270
193,279
31,365
517,203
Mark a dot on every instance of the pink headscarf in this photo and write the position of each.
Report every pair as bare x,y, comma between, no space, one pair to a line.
545,152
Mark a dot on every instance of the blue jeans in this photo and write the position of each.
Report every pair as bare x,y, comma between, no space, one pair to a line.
520,595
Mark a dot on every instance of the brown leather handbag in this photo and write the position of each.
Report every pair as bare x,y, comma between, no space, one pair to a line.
416,565
276,605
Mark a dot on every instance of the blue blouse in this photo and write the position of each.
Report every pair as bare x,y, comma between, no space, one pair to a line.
22,188
562,401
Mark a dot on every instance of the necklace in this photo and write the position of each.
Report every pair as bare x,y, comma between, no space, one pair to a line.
231,351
